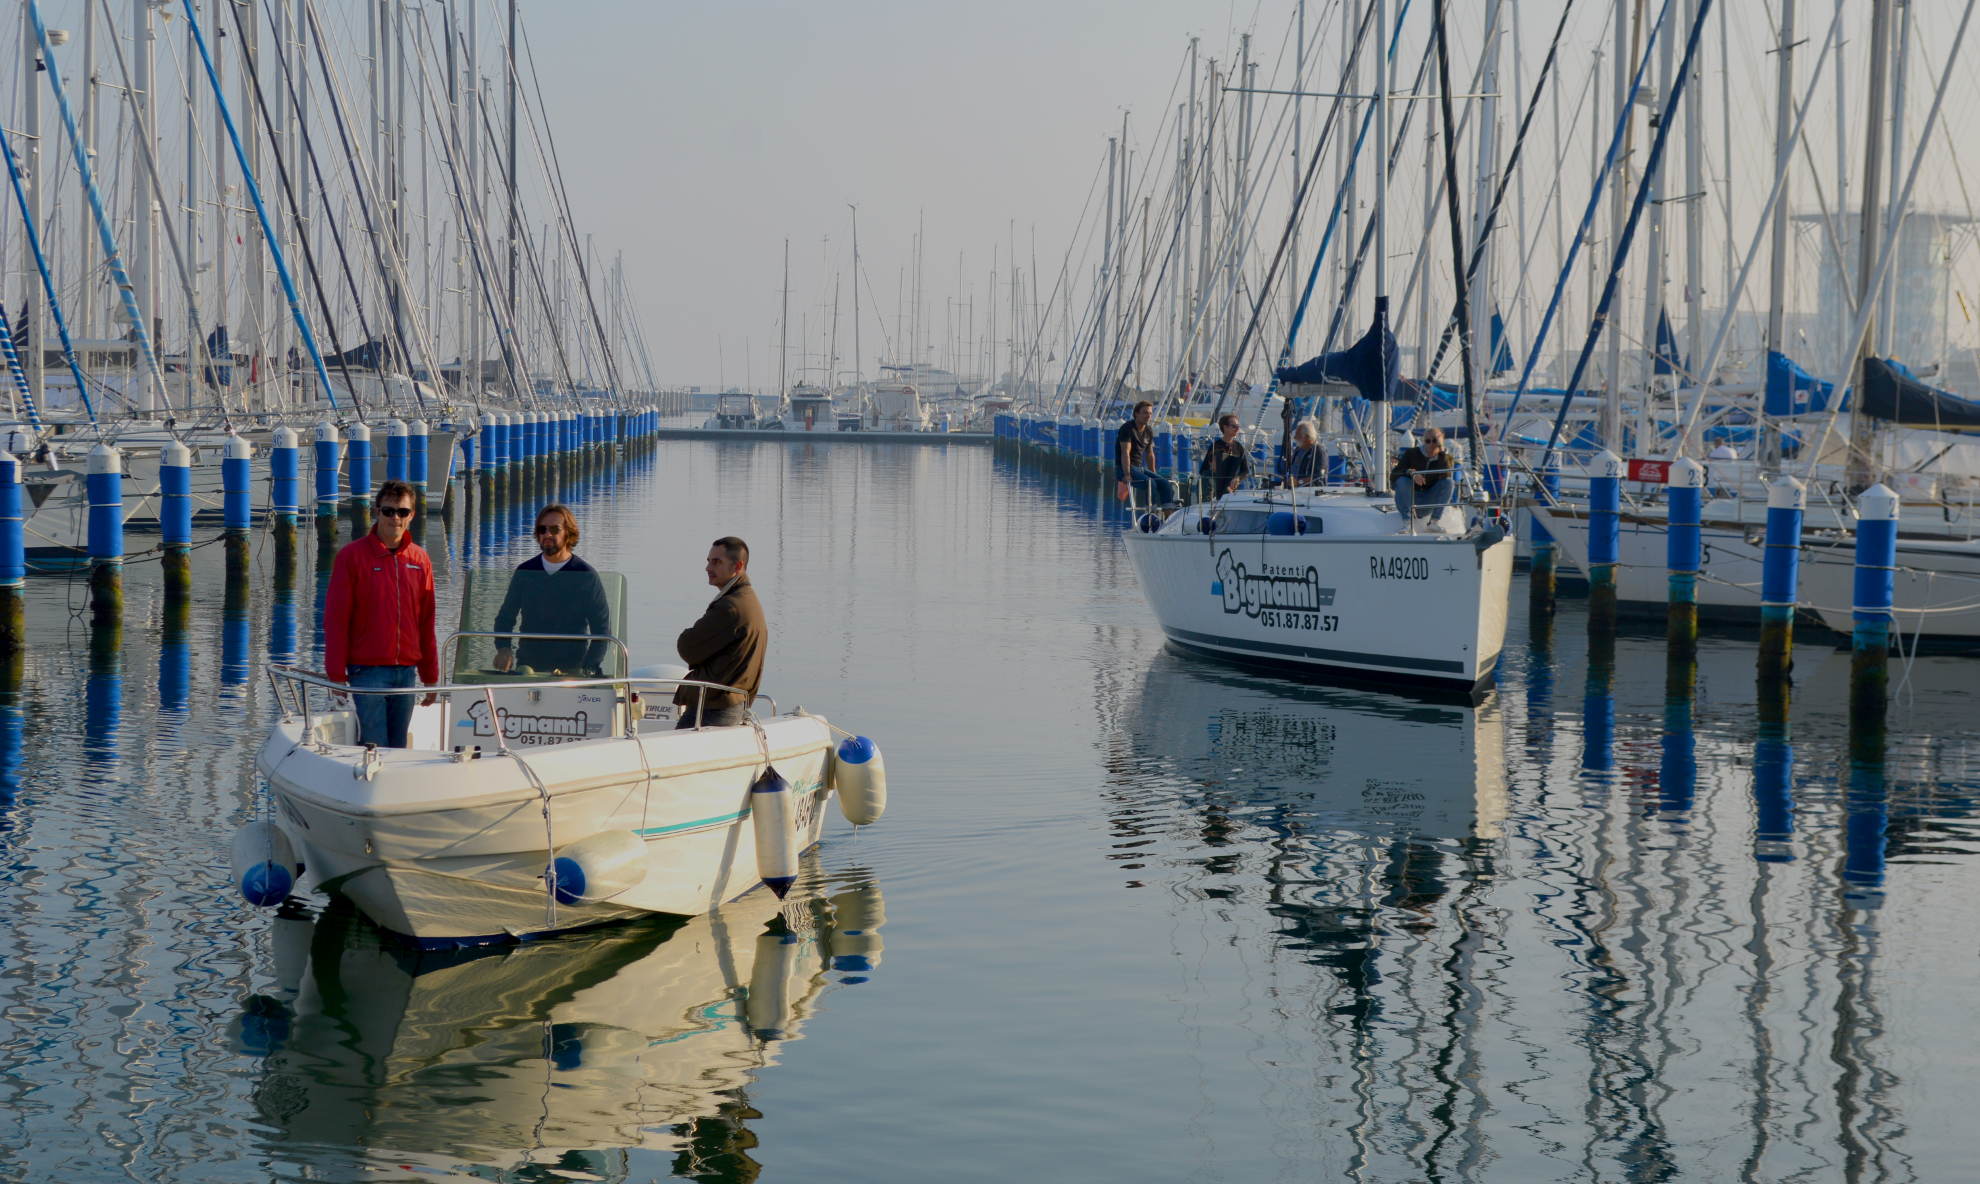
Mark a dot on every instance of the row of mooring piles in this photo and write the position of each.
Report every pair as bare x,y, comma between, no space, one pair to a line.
534,454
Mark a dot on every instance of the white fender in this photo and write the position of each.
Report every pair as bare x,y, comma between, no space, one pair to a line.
767,1007
599,866
770,812
265,864
855,937
860,777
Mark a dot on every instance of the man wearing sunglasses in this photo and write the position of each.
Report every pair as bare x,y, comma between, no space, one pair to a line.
554,592
378,619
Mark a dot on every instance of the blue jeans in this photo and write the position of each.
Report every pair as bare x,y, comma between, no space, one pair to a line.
714,717
1425,501
1162,491
383,719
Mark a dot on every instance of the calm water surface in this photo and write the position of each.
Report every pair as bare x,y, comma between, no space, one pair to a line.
1130,917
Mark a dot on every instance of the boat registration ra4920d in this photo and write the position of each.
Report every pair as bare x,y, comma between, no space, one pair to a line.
532,800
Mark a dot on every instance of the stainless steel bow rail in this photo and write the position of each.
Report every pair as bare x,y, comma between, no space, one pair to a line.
291,686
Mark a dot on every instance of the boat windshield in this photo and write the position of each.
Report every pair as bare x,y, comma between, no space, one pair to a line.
505,616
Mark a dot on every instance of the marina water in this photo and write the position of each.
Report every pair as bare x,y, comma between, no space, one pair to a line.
1145,917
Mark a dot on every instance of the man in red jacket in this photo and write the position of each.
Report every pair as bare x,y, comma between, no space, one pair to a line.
378,619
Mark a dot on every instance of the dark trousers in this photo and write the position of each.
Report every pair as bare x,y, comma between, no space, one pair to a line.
383,719
714,717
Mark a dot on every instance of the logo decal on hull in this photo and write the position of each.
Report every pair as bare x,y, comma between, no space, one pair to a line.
1277,587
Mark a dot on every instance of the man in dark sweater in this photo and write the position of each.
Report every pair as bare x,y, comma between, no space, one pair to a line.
726,645
554,592
1134,458
1226,462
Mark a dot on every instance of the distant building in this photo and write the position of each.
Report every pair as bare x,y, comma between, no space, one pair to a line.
1914,325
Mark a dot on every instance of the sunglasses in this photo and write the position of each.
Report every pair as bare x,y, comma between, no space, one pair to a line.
395,511
549,528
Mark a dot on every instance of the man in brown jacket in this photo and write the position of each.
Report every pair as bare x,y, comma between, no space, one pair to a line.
726,645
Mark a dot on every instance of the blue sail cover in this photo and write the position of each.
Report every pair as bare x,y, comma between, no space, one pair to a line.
1891,393
219,351
372,355
1502,357
1667,359
1794,391
1369,365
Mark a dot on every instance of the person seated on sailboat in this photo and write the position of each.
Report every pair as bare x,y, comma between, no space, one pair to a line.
554,592
1226,462
1134,458
1422,477
1306,464
726,645
1725,451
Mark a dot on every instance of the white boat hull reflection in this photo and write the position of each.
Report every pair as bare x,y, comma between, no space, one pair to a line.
574,1053
1377,765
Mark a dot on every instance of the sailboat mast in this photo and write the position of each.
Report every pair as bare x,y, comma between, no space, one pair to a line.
1862,430
1770,441
856,345
1378,461
784,330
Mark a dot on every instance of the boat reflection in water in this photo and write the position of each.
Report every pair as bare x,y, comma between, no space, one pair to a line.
621,1053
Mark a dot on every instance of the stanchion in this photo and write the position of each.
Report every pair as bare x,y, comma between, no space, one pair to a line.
105,488
175,518
13,561
398,451
236,504
1780,576
1876,562
1604,539
1684,553
284,488
358,468
417,462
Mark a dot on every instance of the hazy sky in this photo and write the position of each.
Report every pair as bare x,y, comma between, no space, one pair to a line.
699,136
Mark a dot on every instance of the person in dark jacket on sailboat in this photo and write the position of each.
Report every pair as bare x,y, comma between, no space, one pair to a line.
1422,477
1134,459
726,645
1227,461
554,592
1306,465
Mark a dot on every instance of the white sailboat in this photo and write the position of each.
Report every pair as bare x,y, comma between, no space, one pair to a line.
1330,582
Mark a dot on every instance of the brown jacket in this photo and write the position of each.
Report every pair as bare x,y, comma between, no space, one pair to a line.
726,646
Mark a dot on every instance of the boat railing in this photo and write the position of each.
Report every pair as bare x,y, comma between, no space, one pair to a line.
291,685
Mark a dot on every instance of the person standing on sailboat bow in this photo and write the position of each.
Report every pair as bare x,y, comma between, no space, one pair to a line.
1226,462
554,592
726,645
1423,476
1134,458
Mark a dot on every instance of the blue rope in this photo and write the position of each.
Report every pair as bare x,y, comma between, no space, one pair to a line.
125,290
14,364
47,280
1533,348
1664,126
261,209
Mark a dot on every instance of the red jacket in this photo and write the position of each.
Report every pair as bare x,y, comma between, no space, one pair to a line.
379,611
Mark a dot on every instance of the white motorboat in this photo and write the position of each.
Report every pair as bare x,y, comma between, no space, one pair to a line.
556,1057
529,802
898,407
1332,581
